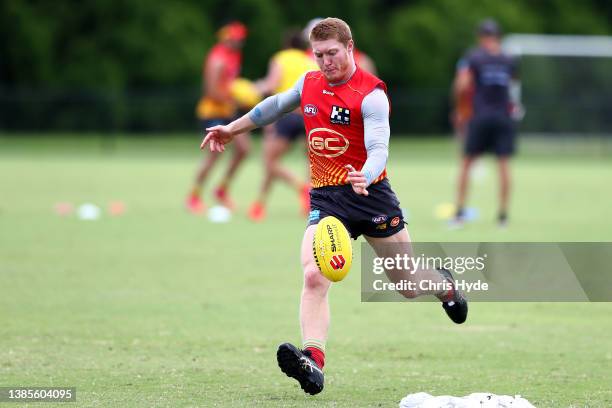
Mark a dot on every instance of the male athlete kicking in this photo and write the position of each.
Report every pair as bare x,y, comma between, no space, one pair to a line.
346,116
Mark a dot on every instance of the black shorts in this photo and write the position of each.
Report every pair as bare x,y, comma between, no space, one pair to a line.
376,215
290,126
493,133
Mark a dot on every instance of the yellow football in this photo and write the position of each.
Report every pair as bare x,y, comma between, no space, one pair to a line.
332,249
244,93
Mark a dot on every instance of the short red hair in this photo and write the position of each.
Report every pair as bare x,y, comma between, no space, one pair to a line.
329,28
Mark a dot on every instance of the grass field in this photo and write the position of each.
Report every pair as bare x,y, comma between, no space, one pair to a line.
160,308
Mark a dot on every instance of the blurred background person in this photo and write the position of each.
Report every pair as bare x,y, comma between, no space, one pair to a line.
462,104
493,76
284,69
216,107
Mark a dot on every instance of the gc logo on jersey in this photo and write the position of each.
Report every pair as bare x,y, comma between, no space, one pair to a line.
340,116
327,142
310,110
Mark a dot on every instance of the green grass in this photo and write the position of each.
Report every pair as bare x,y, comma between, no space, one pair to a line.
159,308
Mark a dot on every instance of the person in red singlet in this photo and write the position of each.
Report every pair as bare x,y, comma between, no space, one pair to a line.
346,118
221,67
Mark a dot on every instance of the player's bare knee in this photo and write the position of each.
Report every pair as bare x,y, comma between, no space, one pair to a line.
314,281
242,147
210,159
242,151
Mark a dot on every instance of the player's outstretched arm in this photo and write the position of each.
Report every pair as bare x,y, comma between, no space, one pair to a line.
218,136
264,113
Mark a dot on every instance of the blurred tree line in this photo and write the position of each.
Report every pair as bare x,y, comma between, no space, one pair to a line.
136,64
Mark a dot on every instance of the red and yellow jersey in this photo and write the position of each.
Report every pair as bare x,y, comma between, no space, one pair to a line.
334,125
230,59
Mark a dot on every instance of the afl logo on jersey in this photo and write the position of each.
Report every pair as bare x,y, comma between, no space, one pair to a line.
326,142
310,110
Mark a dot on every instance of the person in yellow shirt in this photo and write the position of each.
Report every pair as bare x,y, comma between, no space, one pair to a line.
216,107
284,69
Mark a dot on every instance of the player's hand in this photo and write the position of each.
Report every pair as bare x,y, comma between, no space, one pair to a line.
357,179
217,137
